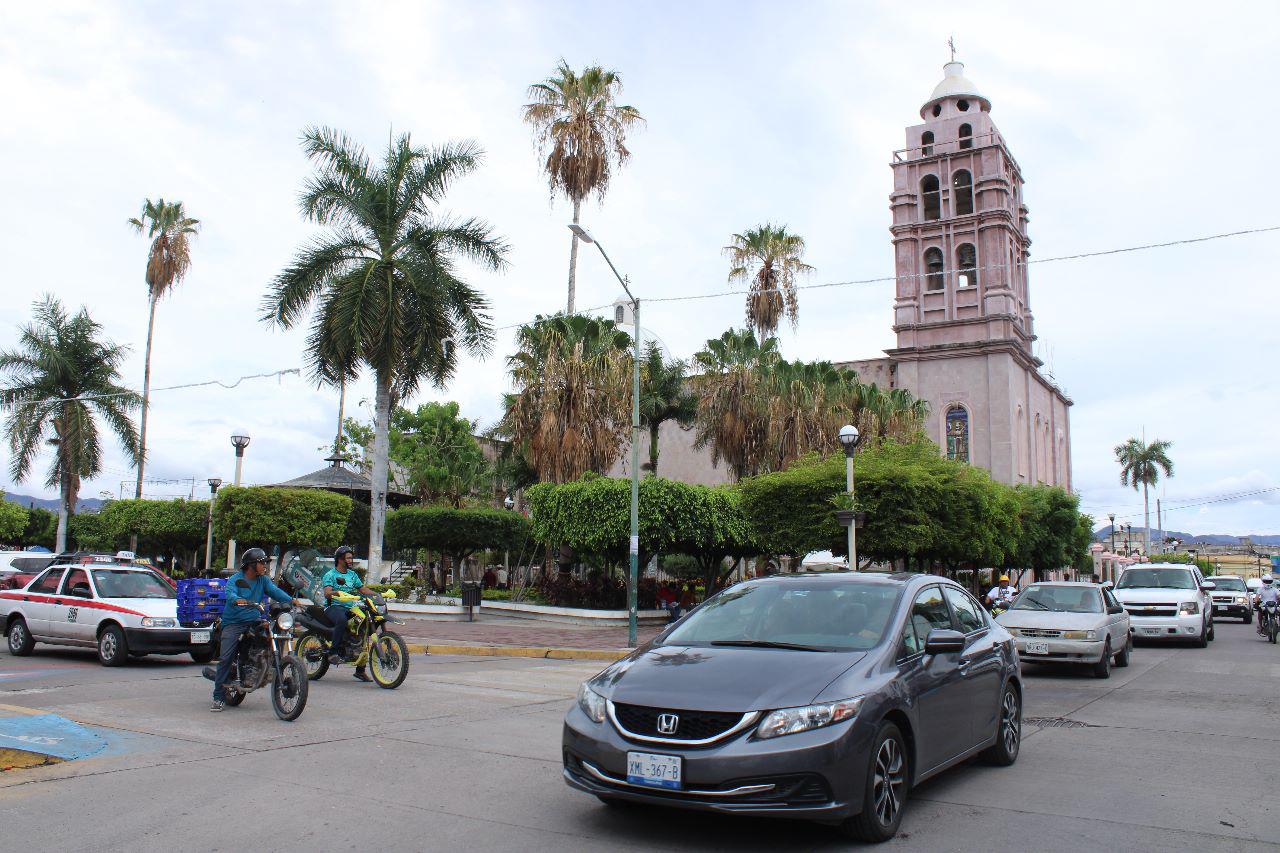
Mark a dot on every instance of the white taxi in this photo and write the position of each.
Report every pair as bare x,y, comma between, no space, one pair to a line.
120,610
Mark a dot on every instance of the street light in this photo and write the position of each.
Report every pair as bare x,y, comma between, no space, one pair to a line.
214,482
633,578
239,441
1112,516
849,439
508,502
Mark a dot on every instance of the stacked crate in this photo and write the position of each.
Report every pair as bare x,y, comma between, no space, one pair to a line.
200,601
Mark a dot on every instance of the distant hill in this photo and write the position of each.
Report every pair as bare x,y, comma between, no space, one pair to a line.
84,505
1268,540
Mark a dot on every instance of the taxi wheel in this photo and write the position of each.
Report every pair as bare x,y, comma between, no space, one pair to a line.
1102,669
1122,657
113,649
20,642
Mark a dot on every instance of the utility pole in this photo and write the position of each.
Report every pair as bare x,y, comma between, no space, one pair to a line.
1159,527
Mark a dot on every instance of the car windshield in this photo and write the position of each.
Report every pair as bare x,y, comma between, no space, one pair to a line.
796,614
1157,579
1229,584
122,583
1059,599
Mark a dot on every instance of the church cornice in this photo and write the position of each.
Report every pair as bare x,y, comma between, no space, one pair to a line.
940,352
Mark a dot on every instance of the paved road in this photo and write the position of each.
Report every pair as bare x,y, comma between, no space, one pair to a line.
1177,752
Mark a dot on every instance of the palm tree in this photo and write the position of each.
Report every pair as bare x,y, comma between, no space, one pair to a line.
571,409
808,403
1141,463
768,260
384,275
665,395
582,129
733,394
59,380
170,230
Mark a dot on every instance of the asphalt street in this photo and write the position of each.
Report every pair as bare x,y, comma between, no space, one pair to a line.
1177,752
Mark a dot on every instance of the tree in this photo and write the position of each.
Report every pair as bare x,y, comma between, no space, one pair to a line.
664,396
582,129
62,377
767,259
174,527
383,227
269,518
170,230
732,399
353,443
438,450
88,533
1141,463
571,408
13,520
42,528
458,533
807,404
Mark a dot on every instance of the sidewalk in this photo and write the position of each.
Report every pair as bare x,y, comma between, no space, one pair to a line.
517,634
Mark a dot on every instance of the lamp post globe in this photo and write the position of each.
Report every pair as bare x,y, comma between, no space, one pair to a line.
508,502
239,440
849,438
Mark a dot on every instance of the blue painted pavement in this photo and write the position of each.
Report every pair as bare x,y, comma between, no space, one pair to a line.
50,734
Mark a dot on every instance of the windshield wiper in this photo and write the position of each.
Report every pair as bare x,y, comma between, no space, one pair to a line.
767,644
1029,605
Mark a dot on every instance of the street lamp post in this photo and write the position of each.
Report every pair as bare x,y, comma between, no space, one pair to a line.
633,578
239,441
849,439
1112,516
214,482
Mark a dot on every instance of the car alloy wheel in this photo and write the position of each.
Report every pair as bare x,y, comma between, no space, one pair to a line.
889,782
1010,723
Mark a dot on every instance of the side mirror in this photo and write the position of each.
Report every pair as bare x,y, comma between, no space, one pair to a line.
942,641
1208,586
1115,611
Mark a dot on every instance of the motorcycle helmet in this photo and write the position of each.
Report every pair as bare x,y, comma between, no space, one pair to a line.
253,555
344,549
1266,579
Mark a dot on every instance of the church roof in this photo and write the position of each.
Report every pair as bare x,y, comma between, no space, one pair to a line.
955,85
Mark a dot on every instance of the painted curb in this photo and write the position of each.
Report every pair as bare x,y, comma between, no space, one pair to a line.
20,759
518,651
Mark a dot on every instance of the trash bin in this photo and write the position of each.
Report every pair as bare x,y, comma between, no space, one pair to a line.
470,598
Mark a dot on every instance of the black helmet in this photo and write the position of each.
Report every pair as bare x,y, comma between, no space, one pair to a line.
344,549
253,555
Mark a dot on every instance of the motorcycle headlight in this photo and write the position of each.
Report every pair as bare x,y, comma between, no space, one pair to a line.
788,721
591,703
1188,608
285,621
154,622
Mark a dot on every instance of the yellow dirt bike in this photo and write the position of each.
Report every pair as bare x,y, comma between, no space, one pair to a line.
369,642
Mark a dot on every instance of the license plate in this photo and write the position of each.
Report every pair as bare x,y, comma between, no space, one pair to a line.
199,636
1037,648
1151,631
656,771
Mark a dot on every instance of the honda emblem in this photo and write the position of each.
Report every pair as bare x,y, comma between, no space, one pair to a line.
667,724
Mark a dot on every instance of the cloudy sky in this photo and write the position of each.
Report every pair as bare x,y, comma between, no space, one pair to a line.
1129,129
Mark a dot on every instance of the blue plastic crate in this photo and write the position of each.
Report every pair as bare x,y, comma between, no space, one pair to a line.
205,586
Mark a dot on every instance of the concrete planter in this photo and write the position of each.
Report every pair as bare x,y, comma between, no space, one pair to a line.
848,516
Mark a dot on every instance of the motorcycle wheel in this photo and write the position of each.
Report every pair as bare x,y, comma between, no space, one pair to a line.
1271,632
388,660
289,692
314,655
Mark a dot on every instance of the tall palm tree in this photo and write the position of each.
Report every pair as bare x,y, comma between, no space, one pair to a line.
170,230
808,403
571,409
733,393
1141,463
665,395
60,379
582,129
768,260
384,277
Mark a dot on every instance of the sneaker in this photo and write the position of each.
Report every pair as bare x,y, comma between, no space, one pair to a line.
217,706
359,674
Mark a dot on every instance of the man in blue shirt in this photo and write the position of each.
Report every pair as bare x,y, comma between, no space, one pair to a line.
344,579
245,590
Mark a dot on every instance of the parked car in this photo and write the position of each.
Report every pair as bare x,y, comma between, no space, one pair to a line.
1167,601
1231,597
17,568
1062,622
817,696
120,610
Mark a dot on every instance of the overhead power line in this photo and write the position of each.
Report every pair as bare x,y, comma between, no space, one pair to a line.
204,384
1212,500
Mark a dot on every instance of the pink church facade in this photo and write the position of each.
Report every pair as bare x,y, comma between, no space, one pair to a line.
962,313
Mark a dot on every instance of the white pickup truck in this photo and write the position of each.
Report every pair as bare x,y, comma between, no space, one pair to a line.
121,610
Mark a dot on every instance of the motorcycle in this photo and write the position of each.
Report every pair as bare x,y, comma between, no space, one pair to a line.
368,640
1269,620
266,656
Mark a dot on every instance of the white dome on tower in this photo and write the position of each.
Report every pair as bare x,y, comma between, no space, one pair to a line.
954,85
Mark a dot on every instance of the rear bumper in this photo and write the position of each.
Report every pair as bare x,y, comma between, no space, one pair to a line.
1238,610
163,642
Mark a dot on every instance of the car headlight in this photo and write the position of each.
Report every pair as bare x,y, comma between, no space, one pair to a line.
1188,608
788,721
1240,599
154,622
285,621
591,703
1079,635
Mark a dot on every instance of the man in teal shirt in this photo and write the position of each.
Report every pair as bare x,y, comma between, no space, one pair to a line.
343,578
245,590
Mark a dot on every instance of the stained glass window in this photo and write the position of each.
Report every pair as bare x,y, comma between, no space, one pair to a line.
958,434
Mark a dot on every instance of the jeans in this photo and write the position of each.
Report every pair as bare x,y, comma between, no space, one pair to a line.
673,612
231,634
338,615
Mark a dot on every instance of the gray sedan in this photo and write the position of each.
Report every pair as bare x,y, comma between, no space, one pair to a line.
1064,622
824,697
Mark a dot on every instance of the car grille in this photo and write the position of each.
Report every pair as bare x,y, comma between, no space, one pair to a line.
1224,599
692,725
1137,608
1038,632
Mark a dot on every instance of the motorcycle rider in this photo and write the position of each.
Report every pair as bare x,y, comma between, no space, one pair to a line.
1267,592
342,577
1003,591
240,613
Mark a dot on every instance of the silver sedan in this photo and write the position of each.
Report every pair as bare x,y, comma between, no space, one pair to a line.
1061,622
